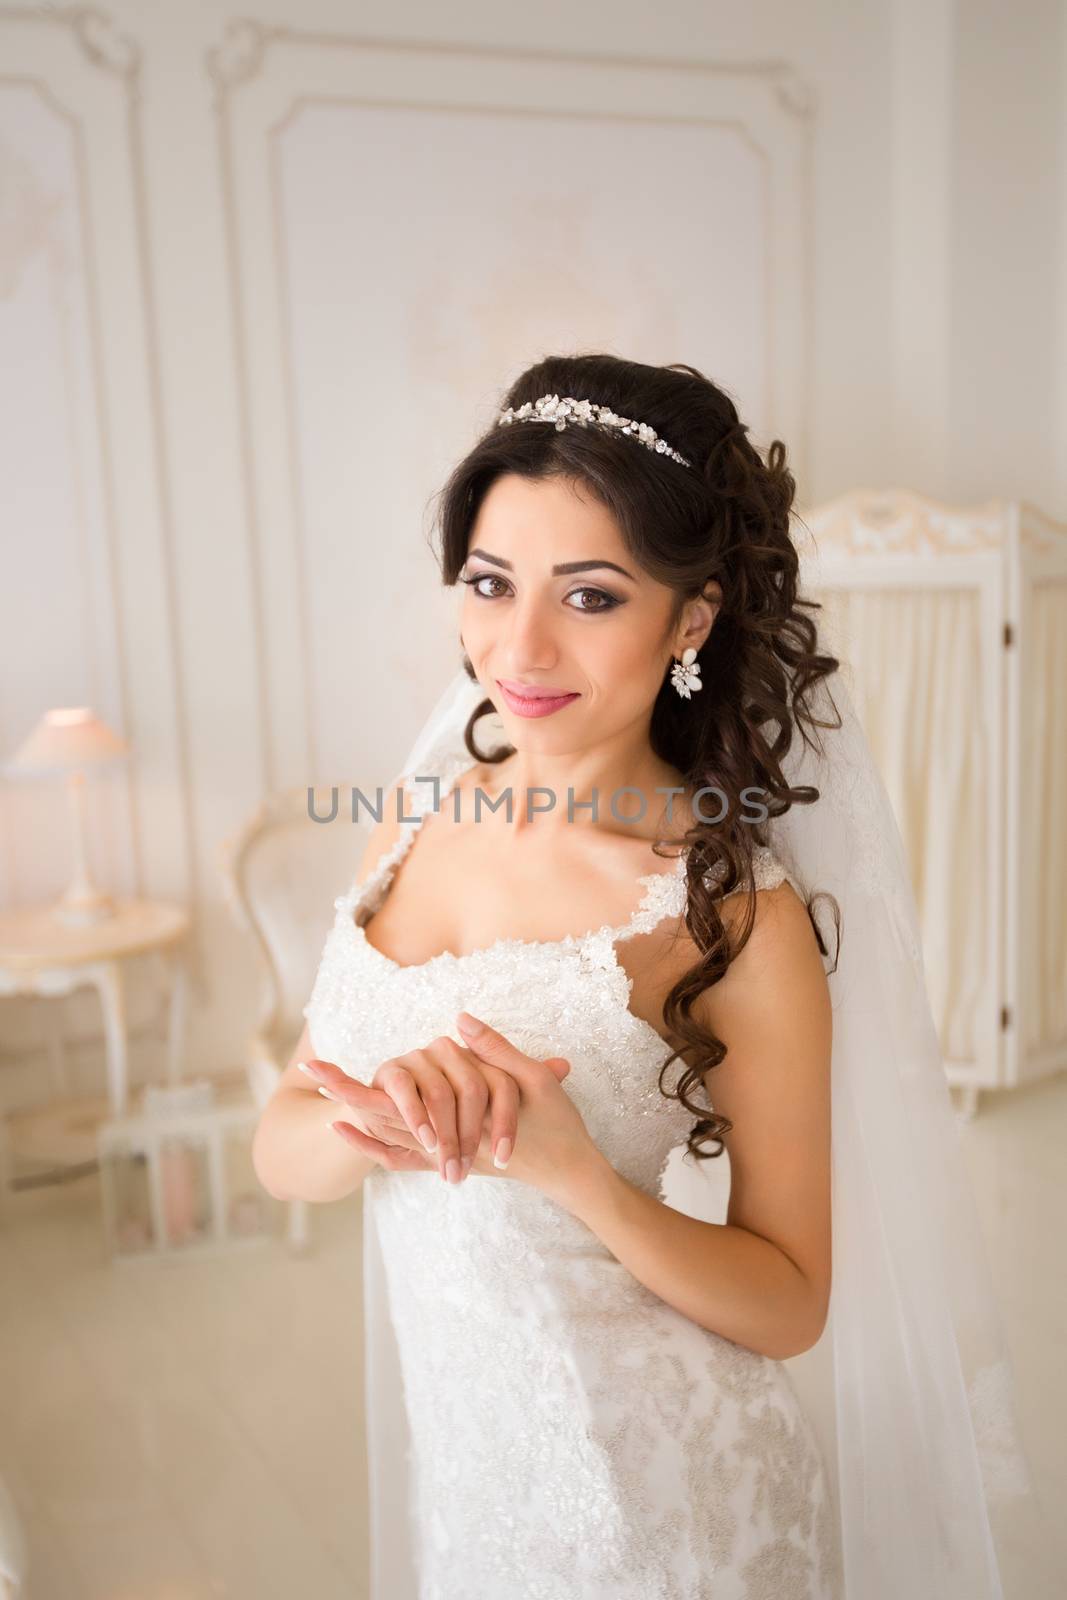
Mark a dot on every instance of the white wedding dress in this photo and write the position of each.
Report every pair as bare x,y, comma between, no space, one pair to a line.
568,1434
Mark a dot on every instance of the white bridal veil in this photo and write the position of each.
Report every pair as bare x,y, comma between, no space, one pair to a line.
913,1392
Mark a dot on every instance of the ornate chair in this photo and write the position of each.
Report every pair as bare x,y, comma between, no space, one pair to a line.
282,872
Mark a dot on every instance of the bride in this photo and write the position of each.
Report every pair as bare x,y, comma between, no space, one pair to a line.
664,914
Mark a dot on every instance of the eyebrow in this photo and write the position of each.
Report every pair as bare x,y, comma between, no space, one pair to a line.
560,567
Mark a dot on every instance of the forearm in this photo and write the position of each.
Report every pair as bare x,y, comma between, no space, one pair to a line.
298,1156
723,1277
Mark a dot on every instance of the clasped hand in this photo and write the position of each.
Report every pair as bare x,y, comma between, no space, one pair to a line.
485,1107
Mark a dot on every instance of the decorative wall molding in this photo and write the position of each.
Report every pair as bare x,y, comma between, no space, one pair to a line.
62,51
265,78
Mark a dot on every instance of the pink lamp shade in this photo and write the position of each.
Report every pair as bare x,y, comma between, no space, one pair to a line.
68,739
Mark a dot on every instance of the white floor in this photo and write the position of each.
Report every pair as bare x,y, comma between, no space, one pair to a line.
180,1432
195,1431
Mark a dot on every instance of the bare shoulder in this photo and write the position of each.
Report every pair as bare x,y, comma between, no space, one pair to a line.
779,965
771,1008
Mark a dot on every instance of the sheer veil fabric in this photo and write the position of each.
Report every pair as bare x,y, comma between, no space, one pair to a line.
911,1386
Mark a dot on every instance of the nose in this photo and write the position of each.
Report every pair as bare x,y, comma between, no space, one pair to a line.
530,645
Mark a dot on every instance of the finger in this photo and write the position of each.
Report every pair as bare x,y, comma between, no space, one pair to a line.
390,1156
400,1136
503,1115
491,1046
398,1082
439,1098
327,1074
471,1088
324,1071
385,1114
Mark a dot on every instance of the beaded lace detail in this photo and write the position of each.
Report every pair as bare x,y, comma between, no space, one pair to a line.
572,1433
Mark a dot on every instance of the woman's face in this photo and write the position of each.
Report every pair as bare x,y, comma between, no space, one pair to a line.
598,632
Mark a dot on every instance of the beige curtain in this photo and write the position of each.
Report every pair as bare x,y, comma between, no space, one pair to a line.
911,658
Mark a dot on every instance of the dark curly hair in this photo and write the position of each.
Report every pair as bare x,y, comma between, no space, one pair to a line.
727,518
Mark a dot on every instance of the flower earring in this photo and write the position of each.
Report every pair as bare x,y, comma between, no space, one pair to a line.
685,674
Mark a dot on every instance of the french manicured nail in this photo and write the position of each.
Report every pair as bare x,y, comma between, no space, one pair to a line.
502,1154
452,1172
428,1137
302,1066
323,1090
466,1165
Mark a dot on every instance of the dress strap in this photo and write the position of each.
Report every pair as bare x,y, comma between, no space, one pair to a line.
767,871
418,805
666,893
664,896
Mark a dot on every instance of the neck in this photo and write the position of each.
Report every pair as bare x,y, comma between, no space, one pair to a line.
622,772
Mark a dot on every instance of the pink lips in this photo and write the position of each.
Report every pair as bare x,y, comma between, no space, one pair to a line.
534,702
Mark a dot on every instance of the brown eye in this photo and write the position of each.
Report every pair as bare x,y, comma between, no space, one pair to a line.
483,577
607,602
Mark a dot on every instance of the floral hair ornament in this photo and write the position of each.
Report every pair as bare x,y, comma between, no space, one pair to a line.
586,413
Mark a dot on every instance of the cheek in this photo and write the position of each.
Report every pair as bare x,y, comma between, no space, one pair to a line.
623,654
472,619
621,681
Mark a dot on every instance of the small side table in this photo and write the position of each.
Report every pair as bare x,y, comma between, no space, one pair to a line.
41,956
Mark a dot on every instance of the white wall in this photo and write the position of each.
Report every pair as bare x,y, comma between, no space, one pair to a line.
246,325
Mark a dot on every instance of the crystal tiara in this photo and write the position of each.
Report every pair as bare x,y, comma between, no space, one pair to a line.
550,408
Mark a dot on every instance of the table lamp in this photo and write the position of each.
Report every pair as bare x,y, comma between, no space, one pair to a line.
70,740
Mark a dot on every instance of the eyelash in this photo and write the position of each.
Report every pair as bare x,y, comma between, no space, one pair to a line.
589,611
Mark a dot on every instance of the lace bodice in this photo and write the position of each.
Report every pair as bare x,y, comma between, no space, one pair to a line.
566,996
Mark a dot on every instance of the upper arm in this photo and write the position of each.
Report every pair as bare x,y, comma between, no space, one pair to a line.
772,1010
382,837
